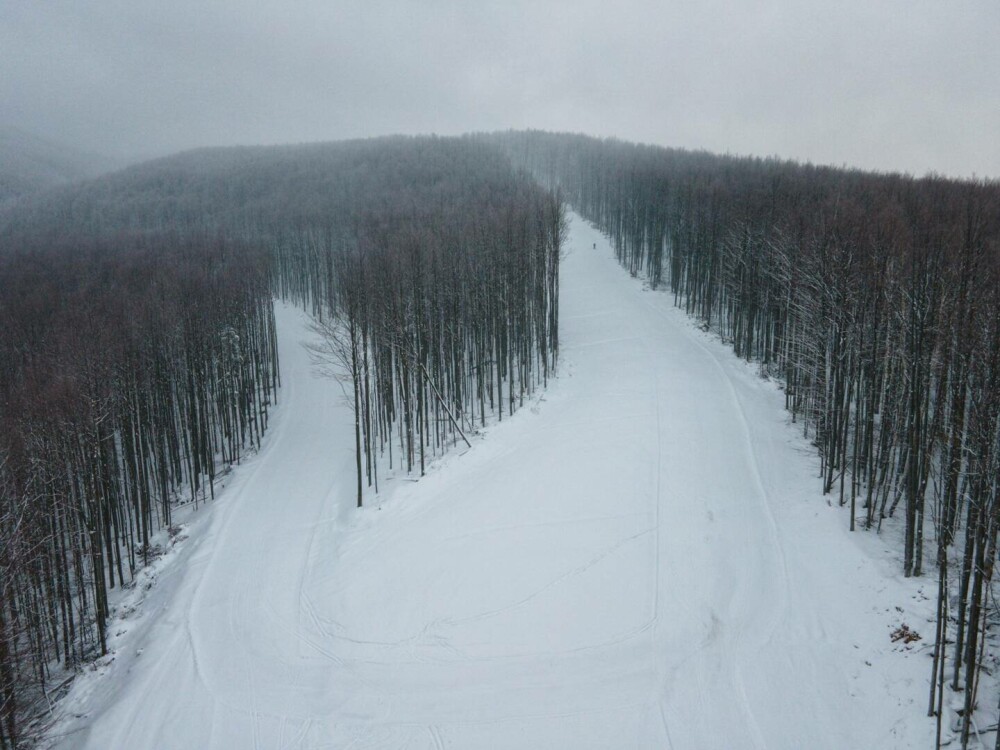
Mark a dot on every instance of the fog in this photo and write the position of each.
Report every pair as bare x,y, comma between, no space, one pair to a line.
909,86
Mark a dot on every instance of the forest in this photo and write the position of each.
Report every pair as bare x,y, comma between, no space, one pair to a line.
138,354
873,298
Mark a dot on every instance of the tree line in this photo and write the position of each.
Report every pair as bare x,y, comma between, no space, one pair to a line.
138,350
875,298
128,369
436,299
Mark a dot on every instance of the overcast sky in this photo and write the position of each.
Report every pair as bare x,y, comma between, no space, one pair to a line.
911,86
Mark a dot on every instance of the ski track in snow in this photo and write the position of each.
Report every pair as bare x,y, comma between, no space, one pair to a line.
641,559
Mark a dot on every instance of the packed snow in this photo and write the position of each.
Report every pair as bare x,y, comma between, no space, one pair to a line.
639,558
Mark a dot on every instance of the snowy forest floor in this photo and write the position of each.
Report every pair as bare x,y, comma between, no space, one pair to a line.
639,559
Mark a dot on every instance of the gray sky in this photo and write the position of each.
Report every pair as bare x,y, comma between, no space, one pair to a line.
911,86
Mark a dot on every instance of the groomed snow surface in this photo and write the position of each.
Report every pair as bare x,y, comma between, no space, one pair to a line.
639,559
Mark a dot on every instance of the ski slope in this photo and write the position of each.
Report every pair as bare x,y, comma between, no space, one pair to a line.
640,559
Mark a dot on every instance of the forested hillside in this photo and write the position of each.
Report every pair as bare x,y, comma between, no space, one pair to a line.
29,164
137,356
138,352
874,297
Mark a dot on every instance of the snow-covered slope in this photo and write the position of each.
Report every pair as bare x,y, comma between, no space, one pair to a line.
639,560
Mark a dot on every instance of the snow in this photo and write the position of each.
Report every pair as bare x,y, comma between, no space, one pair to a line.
639,558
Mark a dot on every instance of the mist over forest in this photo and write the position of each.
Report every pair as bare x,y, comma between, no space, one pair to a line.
499,376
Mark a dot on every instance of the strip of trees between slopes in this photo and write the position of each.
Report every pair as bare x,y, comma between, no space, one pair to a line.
875,298
138,351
